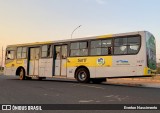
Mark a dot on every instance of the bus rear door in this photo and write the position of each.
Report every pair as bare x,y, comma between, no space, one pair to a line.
60,59
34,61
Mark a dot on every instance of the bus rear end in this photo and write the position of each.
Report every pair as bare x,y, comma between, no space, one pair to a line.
151,54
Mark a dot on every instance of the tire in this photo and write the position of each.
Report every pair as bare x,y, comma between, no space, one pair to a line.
82,75
98,80
41,78
28,78
22,74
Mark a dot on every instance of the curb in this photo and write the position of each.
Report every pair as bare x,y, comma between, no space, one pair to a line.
138,82
142,79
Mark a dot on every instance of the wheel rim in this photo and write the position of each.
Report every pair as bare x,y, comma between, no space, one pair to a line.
21,75
82,76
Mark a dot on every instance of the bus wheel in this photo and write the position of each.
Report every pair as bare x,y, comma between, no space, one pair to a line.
82,75
41,78
21,74
98,80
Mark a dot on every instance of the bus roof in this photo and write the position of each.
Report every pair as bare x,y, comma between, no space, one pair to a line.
76,39
34,43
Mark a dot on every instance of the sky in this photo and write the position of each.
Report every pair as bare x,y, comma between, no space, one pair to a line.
24,21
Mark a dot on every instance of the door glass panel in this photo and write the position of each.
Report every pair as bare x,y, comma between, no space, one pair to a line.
64,52
44,51
37,53
58,49
49,53
32,54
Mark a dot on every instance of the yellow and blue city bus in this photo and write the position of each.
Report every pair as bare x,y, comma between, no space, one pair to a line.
88,59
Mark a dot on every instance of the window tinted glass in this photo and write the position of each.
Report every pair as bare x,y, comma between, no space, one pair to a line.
75,45
106,43
44,54
18,55
64,52
83,52
24,55
19,52
24,49
120,50
10,54
58,55
83,45
104,51
96,43
75,53
19,49
133,40
101,47
37,51
44,48
133,49
120,41
24,52
49,53
46,51
129,45
96,51
79,49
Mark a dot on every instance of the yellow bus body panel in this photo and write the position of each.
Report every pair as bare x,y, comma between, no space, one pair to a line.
105,36
15,63
89,61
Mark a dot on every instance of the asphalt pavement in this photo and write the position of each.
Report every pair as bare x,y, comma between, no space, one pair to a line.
65,91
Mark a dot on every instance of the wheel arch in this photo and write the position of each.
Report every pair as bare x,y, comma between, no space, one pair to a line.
18,70
82,66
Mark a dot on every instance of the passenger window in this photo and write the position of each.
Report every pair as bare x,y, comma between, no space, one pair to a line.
21,52
24,52
46,51
96,51
120,41
75,45
127,45
49,51
79,49
106,43
101,47
10,54
96,44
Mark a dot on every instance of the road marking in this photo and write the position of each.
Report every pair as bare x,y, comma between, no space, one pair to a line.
89,86
98,101
85,101
116,97
109,96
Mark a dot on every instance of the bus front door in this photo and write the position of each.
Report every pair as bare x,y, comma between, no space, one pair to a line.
34,61
60,59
